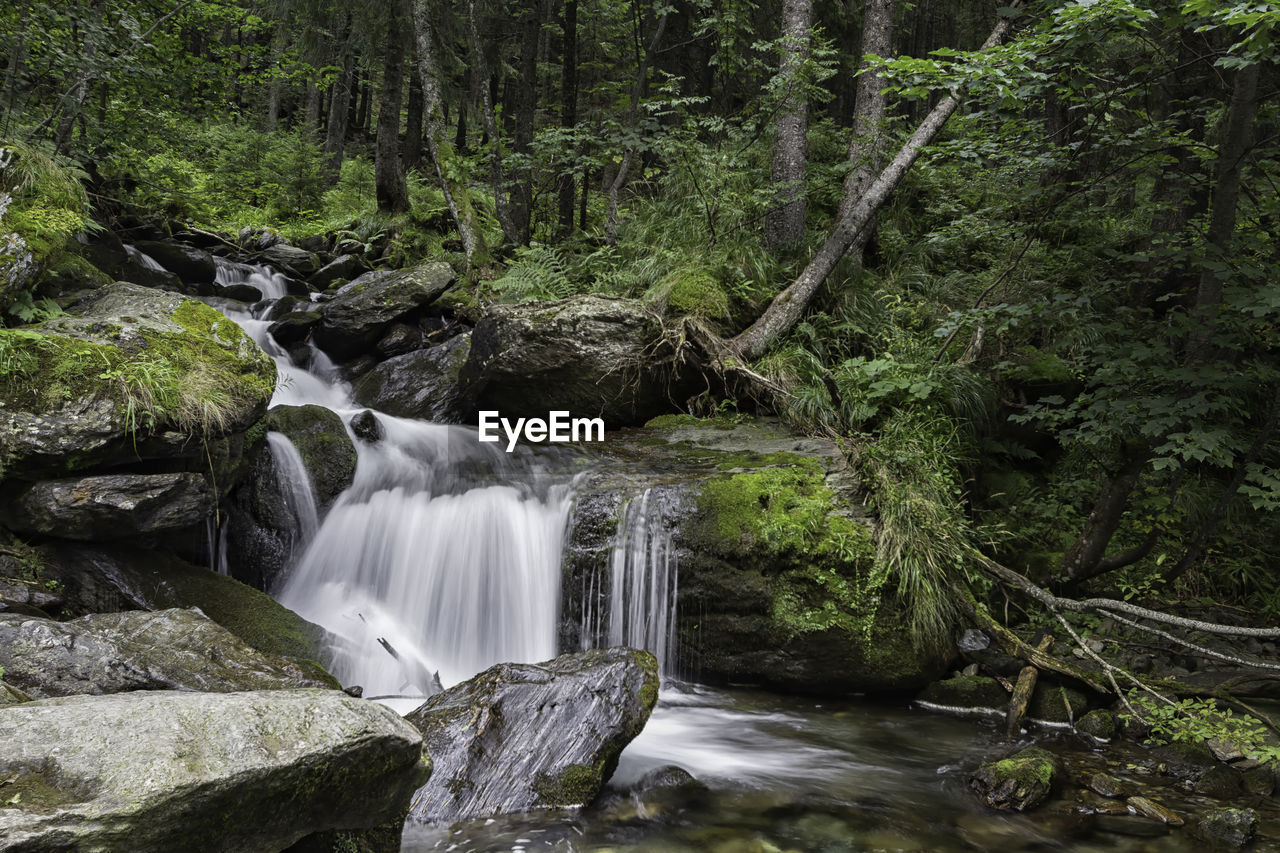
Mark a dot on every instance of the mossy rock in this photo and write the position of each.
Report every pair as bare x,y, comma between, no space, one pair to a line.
695,292
966,691
1055,703
324,445
1020,782
1099,724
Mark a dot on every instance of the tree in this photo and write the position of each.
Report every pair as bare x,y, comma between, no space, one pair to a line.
393,194
784,224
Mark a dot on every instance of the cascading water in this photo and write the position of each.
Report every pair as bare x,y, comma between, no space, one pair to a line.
295,482
643,576
143,258
272,284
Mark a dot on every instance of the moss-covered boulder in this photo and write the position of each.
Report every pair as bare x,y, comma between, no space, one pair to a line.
1022,781
421,384
362,310
969,692
1228,829
137,650
176,770
1057,703
130,373
592,356
104,578
324,445
110,506
520,737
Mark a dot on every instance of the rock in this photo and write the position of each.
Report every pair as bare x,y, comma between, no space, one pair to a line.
1259,780
130,373
1109,786
170,770
290,259
324,445
10,695
1055,703
399,339
107,253
1233,828
117,577
1099,724
1221,783
1224,750
341,268
19,595
294,328
1185,760
192,265
973,640
422,384
367,427
665,790
239,292
1102,805
110,506
281,307
361,312
520,737
137,650
1017,783
966,691
1153,810
593,356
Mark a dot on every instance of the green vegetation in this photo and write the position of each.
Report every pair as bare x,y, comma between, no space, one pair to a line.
1194,721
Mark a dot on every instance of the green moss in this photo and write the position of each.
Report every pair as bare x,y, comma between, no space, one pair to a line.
576,785
1030,767
697,292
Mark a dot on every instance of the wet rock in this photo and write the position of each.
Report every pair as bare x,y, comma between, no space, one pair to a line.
171,770
137,650
1259,780
1022,781
367,427
1099,724
1101,805
10,695
966,691
294,328
341,268
362,310
1054,703
399,339
281,307
192,265
1185,760
1224,750
1230,828
18,595
110,506
106,578
239,292
72,409
422,384
1221,783
1151,809
592,356
667,789
1109,786
292,260
107,253
520,737
324,445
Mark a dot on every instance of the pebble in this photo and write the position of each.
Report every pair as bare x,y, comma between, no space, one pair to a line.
1108,786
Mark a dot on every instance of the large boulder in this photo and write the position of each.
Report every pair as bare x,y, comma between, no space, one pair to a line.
362,310
291,259
422,384
341,268
110,506
778,583
130,373
107,578
137,650
593,356
170,770
324,444
1020,782
520,737
192,265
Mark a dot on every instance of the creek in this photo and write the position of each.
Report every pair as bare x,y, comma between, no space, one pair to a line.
445,556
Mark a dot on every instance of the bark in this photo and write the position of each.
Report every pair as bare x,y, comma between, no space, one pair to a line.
1083,559
393,193
17,61
526,104
789,305
866,145
633,113
340,109
455,196
497,176
784,223
1023,690
568,109
313,109
411,153
73,101
275,88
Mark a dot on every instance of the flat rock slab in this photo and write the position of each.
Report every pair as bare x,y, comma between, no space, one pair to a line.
158,771
137,650
111,506
520,737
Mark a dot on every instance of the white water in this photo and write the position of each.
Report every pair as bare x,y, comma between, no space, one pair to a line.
272,284
143,258
299,497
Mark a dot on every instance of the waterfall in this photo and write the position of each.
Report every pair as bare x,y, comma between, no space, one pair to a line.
296,491
642,585
272,284
143,258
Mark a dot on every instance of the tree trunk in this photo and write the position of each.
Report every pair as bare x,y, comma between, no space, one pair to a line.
455,195
526,104
497,178
12,74
866,145
73,102
789,305
411,154
313,110
568,109
633,113
340,108
784,223
1084,557
393,194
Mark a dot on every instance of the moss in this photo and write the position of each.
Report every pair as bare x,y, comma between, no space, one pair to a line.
696,292
966,691
575,785
1031,766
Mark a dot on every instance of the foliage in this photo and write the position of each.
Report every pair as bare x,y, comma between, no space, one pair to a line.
1198,720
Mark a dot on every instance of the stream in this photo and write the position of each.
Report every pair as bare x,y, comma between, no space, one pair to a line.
444,557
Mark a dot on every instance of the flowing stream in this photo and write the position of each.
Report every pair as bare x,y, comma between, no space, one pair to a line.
444,557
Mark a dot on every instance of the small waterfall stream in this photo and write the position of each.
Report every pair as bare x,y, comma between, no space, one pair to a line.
299,498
